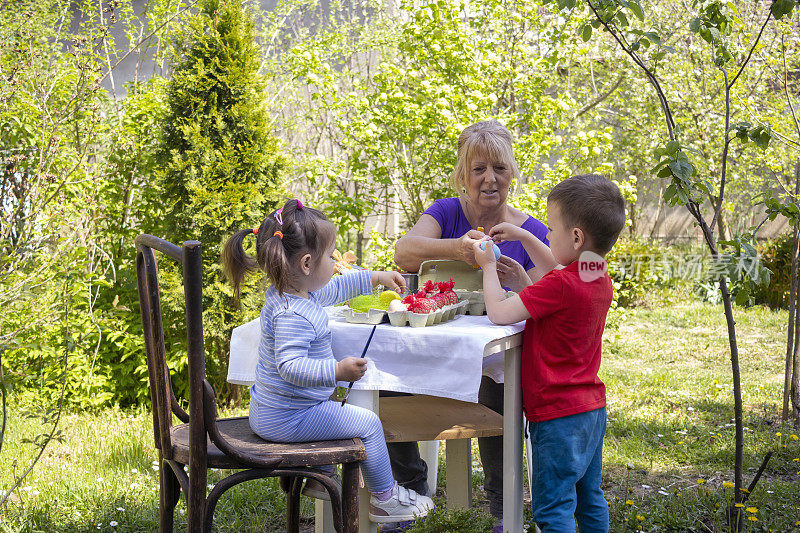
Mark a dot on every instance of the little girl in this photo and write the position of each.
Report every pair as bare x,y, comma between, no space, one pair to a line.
296,371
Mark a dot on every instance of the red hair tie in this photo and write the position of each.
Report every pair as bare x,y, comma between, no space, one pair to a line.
299,205
255,231
279,234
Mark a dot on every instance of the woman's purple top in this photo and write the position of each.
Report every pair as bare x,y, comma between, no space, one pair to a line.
451,218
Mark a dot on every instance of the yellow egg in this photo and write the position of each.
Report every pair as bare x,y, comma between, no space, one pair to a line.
388,296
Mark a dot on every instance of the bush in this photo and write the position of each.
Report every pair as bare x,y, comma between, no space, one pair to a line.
639,268
219,166
380,252
776,255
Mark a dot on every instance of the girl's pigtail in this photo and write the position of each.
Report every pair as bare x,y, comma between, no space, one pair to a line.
236,263
291,230
272,255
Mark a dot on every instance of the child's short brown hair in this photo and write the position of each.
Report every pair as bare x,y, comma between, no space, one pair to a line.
593,203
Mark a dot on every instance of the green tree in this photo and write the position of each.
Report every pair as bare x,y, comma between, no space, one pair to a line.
372,105
219,162
690,186
54,263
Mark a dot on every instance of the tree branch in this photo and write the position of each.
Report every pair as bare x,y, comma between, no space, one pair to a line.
760,471
142,40
650,76
49,437
725,147
602,97
786,90
3,393
752,48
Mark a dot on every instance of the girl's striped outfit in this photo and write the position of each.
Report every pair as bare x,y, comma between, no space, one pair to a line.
295,377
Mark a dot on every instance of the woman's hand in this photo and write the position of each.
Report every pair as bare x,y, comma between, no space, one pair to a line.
512,274
466,245
389,279
350,369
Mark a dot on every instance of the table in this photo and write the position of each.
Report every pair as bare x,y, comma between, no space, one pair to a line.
444,360
394,342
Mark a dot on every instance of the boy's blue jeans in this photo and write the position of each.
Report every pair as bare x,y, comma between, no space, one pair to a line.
567,463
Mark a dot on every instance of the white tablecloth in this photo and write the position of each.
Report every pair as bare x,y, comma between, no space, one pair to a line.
443,360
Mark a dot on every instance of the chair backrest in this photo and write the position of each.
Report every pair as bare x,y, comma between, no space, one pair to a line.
163,398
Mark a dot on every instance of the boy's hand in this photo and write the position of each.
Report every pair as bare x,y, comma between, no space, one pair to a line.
512,274
485,258
390,279
350,369
505,231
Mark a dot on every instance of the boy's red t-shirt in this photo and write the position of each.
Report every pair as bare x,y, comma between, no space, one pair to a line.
562,343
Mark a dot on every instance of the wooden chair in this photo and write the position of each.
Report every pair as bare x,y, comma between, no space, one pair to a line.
204,441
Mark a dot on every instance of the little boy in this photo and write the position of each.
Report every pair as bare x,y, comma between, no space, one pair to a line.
563,399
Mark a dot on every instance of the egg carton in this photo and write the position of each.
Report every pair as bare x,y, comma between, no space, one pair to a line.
372,316
418,320
475,302
401,318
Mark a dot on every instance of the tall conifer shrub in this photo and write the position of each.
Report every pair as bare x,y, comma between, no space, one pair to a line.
219,164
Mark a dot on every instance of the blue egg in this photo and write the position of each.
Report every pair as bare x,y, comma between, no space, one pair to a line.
496,249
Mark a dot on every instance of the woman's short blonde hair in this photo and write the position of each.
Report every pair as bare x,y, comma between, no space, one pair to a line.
487,137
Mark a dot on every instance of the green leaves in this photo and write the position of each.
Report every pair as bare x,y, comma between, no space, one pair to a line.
785,206
742,265
564,4
636,8
782,8
674,163
586,32
615,13
760,134
681,169
714,24
672,147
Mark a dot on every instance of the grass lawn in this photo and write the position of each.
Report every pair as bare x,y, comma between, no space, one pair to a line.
668,450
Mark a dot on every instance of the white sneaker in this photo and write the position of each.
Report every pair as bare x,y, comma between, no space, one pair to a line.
404,504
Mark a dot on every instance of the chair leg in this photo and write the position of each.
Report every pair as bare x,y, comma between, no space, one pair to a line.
285,482
335,497
169,494
293,504
350,498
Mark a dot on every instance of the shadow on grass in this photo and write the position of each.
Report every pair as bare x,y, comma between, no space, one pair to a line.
257,506
703,443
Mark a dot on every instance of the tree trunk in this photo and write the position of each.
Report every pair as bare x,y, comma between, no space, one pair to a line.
360,246
790,372
722,226
796,355
790,338
737,387
796,366
656,222
634,215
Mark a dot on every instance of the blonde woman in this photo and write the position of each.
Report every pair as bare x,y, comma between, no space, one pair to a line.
448,229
